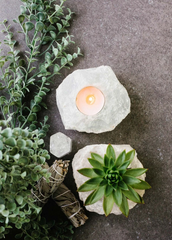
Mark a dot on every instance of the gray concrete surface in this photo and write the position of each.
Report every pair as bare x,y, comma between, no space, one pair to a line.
134,37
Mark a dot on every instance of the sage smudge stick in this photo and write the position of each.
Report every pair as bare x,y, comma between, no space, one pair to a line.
69,205
45,189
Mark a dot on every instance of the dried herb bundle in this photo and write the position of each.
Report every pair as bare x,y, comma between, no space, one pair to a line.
69,205
45,189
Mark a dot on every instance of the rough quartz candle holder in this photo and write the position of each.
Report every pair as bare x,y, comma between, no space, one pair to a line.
116,100
80,160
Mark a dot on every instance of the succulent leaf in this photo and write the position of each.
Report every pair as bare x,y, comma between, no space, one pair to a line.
95,196
108,204
95,163
108,190
105,169
130,156
117,195
103,183
113,180
111,162
110,152
130,180
124,165
142,185
97,157
123,185
136,172
99,172
124,206
120,159
89,185
88,172
132,195
106,161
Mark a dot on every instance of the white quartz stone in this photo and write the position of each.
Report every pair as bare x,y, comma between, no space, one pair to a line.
60,144
116,107
80,161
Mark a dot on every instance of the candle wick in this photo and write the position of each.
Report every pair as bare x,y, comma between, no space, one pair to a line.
91,100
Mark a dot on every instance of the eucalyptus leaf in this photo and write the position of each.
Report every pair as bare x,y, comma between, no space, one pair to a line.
56,68
5,213
39,26
10,141
53,34
34,176
29,26
7,132
32,117
36,108
1,145
40,16
23,160
21,18
19,199
11,206
2,207
21,143
63,61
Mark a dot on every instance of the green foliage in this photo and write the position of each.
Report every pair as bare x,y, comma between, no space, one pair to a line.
44,25
40,229
21,161
110,177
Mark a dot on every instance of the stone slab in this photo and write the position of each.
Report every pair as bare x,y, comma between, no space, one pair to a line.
115,109
80,160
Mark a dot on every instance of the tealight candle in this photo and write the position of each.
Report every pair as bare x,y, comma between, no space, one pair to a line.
90,100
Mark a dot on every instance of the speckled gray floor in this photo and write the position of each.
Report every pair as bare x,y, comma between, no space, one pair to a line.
134,37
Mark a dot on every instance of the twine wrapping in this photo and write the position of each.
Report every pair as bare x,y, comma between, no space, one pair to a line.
43,189
69,205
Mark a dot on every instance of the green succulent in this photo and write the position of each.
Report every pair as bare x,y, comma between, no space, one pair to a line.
110,177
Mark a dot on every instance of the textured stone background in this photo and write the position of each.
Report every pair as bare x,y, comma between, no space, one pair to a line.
134,37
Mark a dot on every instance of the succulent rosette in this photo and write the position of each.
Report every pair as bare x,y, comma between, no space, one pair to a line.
112,179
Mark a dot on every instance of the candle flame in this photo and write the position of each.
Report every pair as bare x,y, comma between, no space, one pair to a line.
90,99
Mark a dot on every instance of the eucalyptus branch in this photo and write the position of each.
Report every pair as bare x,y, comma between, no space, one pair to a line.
22,152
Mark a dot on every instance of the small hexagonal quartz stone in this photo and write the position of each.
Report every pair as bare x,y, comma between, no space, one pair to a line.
60,144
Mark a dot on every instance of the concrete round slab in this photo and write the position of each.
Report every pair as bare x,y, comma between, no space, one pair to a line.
80,161
116,106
